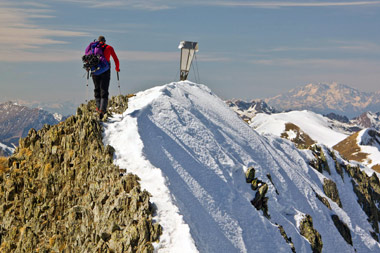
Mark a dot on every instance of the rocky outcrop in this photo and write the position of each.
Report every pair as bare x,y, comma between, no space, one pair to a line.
60,192
319,163
297,136
367,188
287,239
323,200
311,234
368,191
342,228
331,191
260,201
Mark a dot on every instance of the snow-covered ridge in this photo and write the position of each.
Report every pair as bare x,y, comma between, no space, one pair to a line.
191,152
319,128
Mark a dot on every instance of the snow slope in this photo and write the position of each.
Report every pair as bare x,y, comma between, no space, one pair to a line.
369,142
191,152
315,125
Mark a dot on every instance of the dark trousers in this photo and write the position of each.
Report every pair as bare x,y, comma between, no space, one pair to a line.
101,83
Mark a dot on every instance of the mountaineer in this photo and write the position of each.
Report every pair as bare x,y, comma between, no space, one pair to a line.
100,71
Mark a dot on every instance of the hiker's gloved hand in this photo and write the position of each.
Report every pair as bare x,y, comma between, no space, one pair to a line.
117,70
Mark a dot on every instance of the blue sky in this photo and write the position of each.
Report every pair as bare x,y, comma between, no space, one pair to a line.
247,49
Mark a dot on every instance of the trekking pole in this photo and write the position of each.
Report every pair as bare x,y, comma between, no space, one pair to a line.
88,76
118,84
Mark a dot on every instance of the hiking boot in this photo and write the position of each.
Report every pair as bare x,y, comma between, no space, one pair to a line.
101,114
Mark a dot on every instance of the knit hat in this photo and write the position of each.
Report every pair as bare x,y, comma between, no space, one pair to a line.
101,38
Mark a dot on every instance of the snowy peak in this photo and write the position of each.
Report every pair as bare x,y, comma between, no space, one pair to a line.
247,110
220,186
368,120
325,98
5,150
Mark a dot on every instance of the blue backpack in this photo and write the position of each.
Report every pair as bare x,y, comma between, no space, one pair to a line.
94,59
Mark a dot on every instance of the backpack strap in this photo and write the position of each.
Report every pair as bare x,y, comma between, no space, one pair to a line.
93,46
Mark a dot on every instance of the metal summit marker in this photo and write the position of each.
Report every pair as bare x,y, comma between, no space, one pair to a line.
188,50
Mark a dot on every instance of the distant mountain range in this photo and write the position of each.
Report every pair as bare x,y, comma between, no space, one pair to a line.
327,98
5,150
63,108
16,121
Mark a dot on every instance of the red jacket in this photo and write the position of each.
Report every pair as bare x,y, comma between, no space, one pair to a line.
110,51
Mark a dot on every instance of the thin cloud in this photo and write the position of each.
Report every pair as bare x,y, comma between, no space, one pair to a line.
165,56
36,56
20,33
157,5
53,55
149,5
318,63
331,45
363,46
294,4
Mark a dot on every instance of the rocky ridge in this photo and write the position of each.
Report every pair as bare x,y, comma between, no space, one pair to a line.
60,192
329,163
368,120
367,188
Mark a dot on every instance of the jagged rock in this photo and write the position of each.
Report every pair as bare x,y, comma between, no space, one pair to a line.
323,200
320,163
367,190
260,201
270,179
60,191
302,140
342,228
255,184
287,239
250,175
331,191
311,234
338,166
